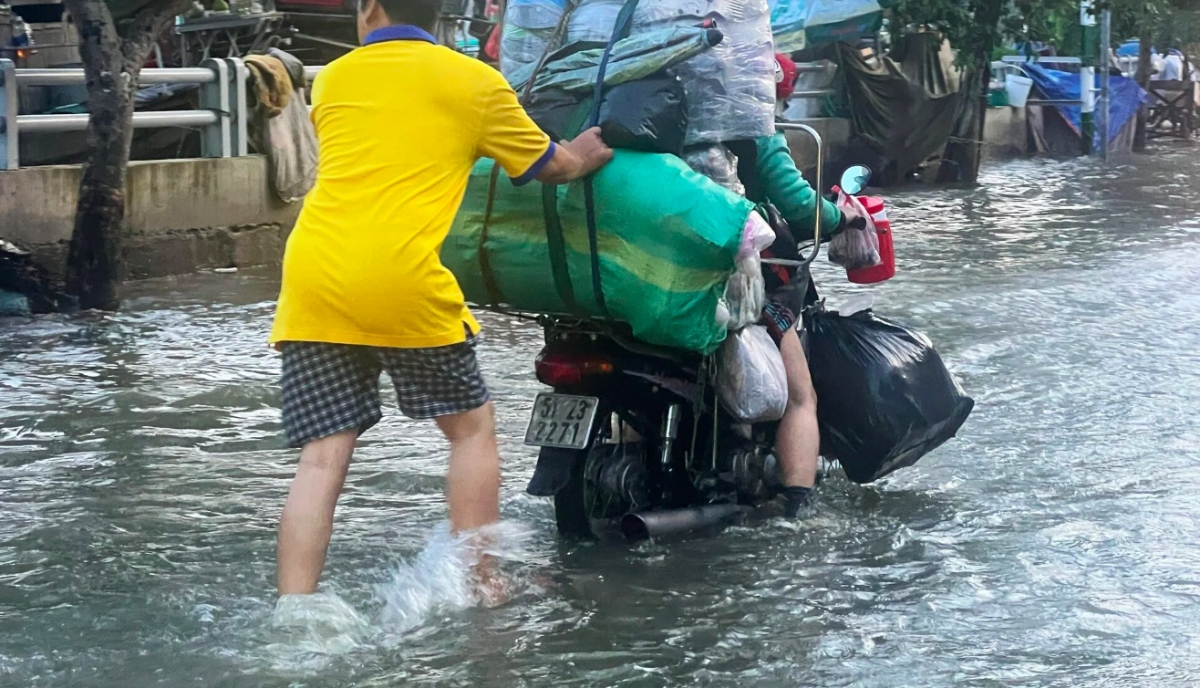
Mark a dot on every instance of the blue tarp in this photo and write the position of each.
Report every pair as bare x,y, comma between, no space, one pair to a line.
1125,96
799,24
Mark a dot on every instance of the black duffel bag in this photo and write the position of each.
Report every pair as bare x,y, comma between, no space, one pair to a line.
884,397
649,114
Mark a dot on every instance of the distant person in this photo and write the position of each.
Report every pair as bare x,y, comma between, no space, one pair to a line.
1172,69
400,122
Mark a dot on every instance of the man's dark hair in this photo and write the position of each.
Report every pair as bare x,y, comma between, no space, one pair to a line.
422,13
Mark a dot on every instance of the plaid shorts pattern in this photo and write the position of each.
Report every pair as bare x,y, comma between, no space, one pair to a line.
332,388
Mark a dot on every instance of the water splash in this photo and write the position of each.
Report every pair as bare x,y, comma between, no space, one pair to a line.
455,571
307,630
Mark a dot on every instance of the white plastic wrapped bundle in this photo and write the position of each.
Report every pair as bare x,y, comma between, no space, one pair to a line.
752,381
745,293
528,27
746,290
716,162
730,88
593,20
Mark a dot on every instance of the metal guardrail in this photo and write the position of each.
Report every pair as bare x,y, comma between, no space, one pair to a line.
221,116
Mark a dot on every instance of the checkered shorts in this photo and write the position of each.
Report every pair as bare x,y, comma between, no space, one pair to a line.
332,388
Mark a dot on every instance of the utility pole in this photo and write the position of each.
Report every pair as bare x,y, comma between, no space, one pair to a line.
1105,66
1087,76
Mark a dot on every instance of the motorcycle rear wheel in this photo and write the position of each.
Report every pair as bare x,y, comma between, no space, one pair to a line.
582,509
571,503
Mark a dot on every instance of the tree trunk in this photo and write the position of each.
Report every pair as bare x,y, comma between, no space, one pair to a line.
113,51
94,259
1143,79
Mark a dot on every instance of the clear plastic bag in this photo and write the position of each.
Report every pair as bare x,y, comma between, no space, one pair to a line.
757,236
716,162
746,293
528,27
751,380
521,47
855,248
593,20
730,88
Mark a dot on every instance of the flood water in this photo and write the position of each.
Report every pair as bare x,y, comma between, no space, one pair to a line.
1054,543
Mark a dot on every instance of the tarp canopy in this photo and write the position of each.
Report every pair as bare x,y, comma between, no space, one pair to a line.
800,24
903,107
1125,97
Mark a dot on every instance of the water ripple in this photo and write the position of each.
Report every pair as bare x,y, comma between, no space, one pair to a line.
1052,544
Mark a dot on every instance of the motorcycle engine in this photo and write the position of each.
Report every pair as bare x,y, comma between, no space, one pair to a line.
619,478
752,469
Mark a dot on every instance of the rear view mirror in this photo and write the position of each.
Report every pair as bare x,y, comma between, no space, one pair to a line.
855,179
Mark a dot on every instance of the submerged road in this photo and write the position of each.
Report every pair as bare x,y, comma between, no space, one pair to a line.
1052,544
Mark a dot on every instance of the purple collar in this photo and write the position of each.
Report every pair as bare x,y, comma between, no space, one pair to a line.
399,32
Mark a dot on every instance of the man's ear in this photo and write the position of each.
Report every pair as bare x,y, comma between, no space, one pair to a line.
371,11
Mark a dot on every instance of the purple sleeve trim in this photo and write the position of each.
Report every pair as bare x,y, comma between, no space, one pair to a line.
536,168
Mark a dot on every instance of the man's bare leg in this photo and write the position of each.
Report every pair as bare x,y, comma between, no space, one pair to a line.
473,481
473,487
307,521
798,441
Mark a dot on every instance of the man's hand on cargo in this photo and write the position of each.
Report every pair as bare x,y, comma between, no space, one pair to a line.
576,158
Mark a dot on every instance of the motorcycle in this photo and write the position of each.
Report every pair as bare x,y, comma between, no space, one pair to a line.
632,437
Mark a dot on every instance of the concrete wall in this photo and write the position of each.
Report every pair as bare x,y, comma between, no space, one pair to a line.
181,215
1006,133
188,215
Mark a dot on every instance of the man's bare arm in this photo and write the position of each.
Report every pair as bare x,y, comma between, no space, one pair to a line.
577,158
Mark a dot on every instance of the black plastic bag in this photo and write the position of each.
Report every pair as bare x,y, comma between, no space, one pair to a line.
557,112
884,397
649,115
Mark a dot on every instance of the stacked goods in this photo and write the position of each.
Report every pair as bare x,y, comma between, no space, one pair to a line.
646,241
730,88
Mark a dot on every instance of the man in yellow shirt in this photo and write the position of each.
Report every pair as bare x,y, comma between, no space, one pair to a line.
400,122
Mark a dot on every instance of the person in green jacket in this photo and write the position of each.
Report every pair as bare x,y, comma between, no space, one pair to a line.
766,169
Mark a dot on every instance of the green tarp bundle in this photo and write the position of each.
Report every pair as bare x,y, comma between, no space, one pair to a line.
667,241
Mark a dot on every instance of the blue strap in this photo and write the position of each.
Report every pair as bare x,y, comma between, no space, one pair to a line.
620,30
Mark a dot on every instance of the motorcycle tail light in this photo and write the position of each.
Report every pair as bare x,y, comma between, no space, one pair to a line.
558,369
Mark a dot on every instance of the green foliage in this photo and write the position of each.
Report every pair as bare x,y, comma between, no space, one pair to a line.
981,29
977,28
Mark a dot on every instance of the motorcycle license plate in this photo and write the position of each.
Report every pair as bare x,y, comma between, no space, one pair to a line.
561,420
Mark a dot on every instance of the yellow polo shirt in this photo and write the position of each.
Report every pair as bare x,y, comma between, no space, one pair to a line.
400,122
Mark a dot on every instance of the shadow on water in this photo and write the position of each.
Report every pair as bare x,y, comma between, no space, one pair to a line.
1051,544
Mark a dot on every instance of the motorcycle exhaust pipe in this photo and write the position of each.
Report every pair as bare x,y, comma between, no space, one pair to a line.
653,524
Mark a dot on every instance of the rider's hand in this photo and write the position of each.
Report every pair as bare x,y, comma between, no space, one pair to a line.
851,218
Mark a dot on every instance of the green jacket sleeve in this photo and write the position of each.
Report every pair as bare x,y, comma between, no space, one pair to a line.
787,189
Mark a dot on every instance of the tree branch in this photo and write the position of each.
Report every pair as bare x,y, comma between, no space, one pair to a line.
140,31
